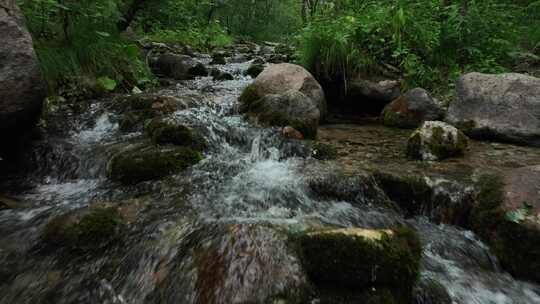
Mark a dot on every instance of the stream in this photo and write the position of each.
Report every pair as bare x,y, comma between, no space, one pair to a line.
213,233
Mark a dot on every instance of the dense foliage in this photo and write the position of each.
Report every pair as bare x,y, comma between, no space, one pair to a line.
429,42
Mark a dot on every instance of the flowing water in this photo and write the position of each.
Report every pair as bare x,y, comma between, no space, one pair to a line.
216,232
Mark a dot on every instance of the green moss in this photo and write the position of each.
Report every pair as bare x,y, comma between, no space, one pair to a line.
99,226
322,151
150,163
516,245
248,97
336,260
162,132
410,192
414,145
94,230
437,145
254,70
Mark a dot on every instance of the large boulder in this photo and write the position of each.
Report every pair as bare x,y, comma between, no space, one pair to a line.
411,110
507,216
503,107
292,108
180,67
436,140
280,78
22,88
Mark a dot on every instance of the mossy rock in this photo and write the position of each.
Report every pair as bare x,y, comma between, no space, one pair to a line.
91,231
254,70
436,140
162,132
148,163
248,97
396,114
323,151
516,244
362,259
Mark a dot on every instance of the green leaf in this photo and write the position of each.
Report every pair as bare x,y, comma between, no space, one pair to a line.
516,216
106,84
103,34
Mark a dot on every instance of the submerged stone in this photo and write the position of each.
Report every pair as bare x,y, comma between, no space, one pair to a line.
92,230
363,260
148,163
435,141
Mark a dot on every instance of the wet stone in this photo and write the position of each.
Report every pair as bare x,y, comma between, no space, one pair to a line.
362,259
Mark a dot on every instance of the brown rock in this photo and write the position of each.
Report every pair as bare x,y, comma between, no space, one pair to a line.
291,132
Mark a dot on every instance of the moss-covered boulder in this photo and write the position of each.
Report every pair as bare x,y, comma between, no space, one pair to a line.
163,132
291,108
150,162
90,230
139,108
435,141
361,260
255,69
411,110
507,216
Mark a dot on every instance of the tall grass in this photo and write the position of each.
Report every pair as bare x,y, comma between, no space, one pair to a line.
430,41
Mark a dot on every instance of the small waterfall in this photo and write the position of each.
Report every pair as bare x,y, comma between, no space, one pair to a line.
215,232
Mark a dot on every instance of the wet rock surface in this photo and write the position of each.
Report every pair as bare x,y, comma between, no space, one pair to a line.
223,230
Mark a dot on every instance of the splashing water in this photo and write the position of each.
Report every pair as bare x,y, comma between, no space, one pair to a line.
211,234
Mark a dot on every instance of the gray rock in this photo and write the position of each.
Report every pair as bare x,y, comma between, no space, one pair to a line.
411,110
436,140
503,107
279,78
293,108
22,88
382,91
219,58
181,67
